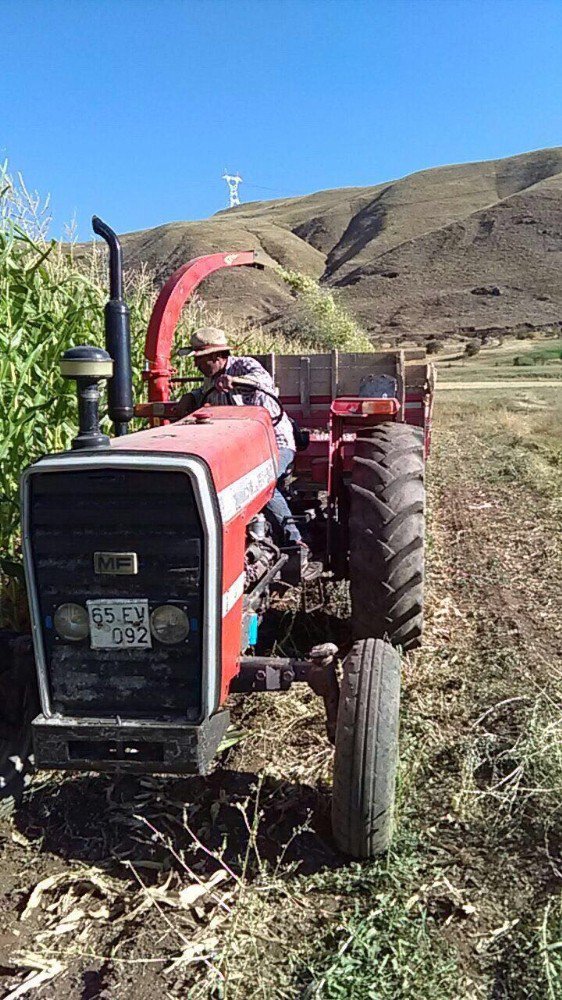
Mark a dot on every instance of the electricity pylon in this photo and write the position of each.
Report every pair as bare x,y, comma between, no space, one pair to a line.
233,180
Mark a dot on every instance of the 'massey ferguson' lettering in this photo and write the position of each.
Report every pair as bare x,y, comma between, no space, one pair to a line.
233,498
116,563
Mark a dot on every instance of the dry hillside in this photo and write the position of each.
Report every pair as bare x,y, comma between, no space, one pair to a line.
456,249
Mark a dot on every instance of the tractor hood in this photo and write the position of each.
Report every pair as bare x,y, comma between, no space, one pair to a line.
237,444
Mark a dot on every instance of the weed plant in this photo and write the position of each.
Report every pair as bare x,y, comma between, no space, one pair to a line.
319,321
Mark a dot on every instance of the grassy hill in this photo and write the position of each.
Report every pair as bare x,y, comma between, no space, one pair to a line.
453,250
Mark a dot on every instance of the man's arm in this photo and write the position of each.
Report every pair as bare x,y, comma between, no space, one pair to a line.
252,371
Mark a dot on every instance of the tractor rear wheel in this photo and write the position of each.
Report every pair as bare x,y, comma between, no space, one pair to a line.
19,703
366,754
386,535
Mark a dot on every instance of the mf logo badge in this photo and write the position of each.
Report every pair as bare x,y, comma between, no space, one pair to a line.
116,563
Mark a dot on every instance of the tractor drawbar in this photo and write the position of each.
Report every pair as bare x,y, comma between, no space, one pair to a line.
117,334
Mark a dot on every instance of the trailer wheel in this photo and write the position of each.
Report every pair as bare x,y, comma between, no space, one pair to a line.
19,703
366,749
386,535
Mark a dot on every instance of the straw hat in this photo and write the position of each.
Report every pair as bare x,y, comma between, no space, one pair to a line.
207,340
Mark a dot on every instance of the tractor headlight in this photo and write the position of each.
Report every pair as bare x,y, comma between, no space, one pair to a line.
169,624
71,622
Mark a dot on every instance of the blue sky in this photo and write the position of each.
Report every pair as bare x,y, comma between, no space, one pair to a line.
133,108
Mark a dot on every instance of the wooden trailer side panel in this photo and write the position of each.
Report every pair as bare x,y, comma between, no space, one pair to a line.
420,392
309,382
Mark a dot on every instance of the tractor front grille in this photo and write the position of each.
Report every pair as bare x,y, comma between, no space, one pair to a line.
153,514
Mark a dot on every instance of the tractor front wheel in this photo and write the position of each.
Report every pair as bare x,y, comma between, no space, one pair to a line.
366,754
19,703
386,535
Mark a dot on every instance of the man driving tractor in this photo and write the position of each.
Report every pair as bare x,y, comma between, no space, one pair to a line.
221,370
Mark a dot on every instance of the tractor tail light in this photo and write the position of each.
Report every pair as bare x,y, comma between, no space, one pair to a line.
372,405
357,407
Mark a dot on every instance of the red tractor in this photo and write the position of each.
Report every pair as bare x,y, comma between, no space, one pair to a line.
150,565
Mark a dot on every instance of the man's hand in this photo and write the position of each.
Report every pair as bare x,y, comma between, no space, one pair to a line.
224,383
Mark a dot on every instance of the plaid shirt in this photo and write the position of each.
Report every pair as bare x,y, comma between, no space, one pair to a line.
250,368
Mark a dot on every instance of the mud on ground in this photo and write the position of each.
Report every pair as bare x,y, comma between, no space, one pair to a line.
230,887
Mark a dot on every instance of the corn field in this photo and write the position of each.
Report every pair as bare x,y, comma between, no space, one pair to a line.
47,303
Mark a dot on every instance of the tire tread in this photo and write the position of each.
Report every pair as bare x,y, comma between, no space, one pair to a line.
366,749
386,529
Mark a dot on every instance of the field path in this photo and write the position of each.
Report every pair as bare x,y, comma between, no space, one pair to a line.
508,384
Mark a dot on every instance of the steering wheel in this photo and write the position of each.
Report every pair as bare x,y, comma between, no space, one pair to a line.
243,384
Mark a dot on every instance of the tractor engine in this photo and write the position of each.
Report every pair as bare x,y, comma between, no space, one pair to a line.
261,553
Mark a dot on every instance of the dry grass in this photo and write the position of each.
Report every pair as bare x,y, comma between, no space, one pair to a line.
512,362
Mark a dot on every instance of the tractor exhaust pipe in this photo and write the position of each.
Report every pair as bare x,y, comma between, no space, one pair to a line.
117,334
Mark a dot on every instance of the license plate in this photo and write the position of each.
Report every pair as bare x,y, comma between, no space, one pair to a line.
119,624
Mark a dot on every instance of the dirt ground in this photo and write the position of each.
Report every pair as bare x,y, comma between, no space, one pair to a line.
231,888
